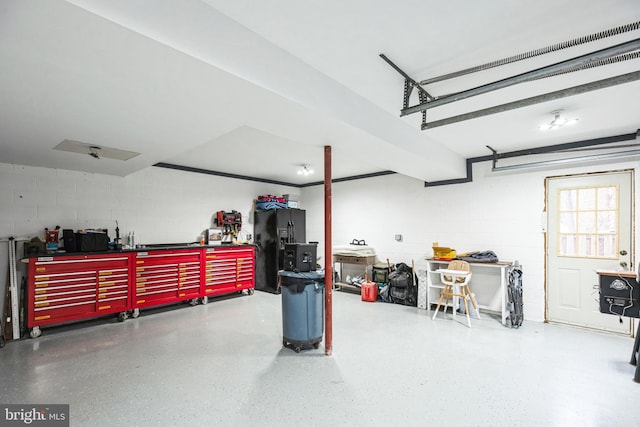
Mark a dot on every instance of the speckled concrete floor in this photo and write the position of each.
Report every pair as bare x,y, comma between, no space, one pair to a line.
223,364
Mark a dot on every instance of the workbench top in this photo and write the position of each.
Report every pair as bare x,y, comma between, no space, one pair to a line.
143,248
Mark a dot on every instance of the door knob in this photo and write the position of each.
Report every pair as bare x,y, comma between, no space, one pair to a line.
623,252
623,264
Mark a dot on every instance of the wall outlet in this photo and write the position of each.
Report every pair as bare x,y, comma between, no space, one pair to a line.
398,237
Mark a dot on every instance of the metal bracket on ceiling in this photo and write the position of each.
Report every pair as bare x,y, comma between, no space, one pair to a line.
408,88
422,98
495,156
409,85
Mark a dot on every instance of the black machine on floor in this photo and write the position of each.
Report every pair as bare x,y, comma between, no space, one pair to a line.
620,296
272,230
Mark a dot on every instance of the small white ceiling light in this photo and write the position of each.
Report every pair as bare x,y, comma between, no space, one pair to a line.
558,121
305,170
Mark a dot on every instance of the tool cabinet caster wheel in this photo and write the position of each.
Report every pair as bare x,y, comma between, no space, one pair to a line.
135,313
297,349
122,316
251,291
205,300
193,302
35,332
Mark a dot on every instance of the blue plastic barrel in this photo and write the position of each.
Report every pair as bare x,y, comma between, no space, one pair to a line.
302,309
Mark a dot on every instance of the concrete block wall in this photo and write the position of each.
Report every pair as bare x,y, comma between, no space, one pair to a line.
160,205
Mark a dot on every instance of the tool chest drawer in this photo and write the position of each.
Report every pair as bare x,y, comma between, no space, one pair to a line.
166,276
69,288
229,270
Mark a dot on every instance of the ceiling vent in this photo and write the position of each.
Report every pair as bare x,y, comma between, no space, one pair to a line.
95,151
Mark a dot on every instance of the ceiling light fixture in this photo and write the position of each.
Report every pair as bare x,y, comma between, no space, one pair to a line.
305,170
557,122
94,150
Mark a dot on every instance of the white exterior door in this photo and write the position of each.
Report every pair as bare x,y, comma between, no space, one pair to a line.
589,223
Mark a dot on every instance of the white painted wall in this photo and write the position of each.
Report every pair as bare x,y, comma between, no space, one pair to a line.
495,211
499,212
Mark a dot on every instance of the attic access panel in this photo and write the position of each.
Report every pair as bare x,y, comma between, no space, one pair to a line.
96,151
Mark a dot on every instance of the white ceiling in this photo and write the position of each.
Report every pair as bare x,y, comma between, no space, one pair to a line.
258,88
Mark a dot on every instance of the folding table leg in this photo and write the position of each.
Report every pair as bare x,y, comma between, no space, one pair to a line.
634,357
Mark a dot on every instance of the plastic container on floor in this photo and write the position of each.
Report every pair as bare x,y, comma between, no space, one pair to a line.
302,309
369,291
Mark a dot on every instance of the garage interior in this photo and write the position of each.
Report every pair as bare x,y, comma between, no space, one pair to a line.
455,123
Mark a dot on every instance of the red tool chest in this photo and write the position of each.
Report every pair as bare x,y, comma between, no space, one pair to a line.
229,269
166,276
68,288
65,287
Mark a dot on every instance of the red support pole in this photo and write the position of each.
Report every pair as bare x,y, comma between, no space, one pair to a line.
328,255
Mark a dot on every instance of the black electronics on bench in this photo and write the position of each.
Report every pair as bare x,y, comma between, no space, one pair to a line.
69,240
300,257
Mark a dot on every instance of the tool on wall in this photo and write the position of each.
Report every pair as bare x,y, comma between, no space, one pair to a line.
118,240
231,224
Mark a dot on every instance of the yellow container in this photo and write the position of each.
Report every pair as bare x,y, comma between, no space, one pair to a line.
443,253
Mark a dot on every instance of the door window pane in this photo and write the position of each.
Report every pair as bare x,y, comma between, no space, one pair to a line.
587,245
586,222
607,222
568,223
568,200
607,246
568,245
586,199
607,198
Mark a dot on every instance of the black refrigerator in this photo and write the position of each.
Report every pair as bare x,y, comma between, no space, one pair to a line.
271,230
